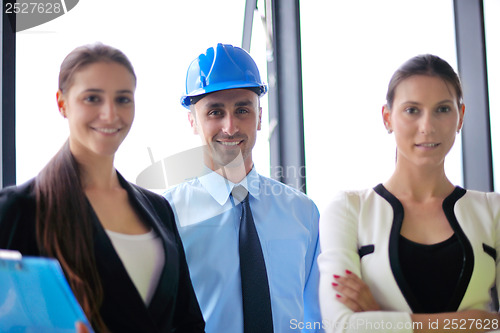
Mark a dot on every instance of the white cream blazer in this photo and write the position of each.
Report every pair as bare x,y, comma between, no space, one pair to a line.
359,231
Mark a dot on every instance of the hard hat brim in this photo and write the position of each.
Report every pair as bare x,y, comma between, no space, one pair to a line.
186,99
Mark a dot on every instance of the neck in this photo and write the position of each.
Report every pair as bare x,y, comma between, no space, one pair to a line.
233,173
97,172
419,183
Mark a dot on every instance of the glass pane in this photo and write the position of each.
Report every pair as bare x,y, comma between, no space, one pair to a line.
161,38
349,51
492,29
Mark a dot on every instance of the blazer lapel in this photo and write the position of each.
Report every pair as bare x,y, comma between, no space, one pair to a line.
121,297
164,296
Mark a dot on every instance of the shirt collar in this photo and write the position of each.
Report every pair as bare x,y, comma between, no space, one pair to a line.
220,188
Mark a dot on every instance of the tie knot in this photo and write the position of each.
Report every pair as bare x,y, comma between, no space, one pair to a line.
239,193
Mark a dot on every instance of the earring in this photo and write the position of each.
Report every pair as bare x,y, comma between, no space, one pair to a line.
389,131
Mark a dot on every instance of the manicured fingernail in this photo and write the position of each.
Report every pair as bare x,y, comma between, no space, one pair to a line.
348,271
334,284
338,296
336,276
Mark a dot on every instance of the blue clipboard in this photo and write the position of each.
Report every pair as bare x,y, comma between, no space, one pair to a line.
35,296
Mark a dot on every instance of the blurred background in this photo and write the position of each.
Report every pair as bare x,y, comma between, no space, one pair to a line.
346,52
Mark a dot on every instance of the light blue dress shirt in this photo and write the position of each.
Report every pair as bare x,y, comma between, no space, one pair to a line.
287,223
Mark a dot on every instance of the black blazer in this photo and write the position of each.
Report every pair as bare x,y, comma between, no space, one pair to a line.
173,308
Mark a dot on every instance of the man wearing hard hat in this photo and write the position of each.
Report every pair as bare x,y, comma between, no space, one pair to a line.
251,242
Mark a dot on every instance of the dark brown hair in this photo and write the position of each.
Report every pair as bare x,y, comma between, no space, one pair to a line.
63,221
426,64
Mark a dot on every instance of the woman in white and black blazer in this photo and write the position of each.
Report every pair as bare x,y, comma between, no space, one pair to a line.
416,253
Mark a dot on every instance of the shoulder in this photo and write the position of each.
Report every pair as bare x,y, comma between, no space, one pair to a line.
17,194
181,195
350,200
473,195
348,209
185,188
288,201
17,216
477,200
270,187
155,198
148,200
140,193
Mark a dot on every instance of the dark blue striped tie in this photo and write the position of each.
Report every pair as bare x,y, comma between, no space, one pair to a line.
257,313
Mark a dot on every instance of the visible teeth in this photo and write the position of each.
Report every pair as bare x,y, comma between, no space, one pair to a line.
232,143
107,130
428,144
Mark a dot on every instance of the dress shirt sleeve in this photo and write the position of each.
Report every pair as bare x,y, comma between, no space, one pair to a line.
312,312
338,232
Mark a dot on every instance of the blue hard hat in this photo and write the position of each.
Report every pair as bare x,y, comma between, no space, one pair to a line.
220,68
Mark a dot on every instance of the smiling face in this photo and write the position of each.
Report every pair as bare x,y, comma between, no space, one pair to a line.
99,106
425,117
227,122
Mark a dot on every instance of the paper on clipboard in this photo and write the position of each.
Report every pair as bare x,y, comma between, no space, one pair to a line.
35,296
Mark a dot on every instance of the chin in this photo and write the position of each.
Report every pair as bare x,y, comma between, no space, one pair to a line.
225,158
106,151
228,161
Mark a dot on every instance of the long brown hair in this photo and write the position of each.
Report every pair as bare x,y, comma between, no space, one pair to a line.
63,221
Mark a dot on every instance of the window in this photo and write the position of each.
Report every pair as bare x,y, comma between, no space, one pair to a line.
349,51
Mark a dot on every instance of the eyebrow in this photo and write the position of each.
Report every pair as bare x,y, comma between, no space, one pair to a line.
124,91
444,101
94,90
215,105
244,103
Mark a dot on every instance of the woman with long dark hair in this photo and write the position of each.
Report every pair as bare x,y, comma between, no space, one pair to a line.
416,253
116,242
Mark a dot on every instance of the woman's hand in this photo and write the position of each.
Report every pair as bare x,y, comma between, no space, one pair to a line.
81,327
354,293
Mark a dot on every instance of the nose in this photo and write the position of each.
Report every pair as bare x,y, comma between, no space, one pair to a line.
426,124
109,111
230,126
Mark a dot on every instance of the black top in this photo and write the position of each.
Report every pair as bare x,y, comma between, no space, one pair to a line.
173,308
466,251
431,271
